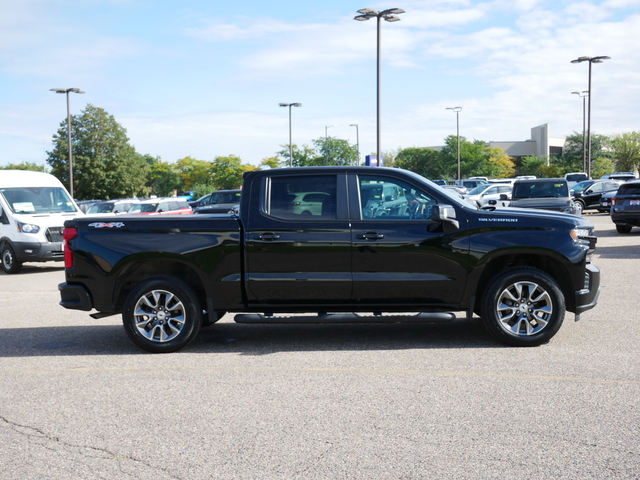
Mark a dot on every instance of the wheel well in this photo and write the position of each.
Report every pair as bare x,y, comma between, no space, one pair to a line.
143,270
547,264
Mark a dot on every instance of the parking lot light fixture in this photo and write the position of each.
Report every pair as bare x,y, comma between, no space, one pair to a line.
591,61
290,144
326,144
388,15
67,91
357,141
457,110
584,94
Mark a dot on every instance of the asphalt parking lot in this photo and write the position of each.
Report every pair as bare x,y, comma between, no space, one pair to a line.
79,401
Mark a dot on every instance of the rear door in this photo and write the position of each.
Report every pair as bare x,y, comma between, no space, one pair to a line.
295,258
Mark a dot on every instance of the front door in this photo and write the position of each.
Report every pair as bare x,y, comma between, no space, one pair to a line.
399,254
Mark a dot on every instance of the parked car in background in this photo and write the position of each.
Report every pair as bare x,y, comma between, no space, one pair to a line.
605,201
439,181
575,177
84,205
470,184
587,194
220,201
383,199
201,201
161,206
541,193
112,207
620,176
461,192
483,194
625,206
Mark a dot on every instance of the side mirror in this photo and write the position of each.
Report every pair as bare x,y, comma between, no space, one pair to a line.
504,196
446,215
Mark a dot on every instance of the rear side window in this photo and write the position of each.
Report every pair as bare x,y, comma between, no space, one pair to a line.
629,189
302,197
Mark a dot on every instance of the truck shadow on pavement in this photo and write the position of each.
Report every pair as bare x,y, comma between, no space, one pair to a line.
251,340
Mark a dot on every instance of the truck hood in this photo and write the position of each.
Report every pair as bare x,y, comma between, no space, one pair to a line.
515,216
46,220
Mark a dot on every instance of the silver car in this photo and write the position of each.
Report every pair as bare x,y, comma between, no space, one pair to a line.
482,194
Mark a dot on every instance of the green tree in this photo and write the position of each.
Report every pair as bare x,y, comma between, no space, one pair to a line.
335,151
302,157
572,159
105,164
193,171
163,179
626,151
427,162
270,162
227,172
34,167
602,166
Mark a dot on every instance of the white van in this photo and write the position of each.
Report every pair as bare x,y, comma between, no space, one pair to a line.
33,209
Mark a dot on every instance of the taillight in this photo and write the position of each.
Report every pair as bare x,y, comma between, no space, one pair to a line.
613,201
68,234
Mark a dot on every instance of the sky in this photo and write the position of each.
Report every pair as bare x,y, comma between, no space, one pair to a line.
203,78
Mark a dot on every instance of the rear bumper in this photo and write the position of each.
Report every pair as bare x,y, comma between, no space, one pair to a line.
75,297
587,298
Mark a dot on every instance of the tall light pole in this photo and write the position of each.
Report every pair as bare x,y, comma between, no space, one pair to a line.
457,110
584,94
591,60
326,144
67,90
357,141
290,144
390,16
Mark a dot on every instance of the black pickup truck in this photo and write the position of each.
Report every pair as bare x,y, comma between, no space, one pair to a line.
384,244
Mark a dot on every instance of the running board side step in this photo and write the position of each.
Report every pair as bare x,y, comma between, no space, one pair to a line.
424,317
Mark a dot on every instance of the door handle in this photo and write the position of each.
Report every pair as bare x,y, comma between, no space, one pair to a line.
370,236
268,236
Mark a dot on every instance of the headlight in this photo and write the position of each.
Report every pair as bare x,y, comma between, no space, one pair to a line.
577,233
28,228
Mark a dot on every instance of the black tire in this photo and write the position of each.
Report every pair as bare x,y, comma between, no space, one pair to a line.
523,307
619,228
162,315
9,262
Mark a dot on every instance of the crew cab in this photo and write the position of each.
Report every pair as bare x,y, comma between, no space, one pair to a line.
433,255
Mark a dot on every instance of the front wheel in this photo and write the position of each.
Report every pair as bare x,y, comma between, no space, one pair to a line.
162,315
523,307
9,262
579,206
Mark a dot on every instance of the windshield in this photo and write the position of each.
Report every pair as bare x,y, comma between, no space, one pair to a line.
579,187
143,208
101,208
478,190
38,200
576,177
539,190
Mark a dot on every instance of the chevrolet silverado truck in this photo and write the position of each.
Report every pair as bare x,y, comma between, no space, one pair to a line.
429,256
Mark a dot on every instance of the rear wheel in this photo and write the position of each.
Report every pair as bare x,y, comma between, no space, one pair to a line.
619,228
9,262
523,307
162,315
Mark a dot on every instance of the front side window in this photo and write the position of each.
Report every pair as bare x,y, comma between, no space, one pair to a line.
304,197
391,199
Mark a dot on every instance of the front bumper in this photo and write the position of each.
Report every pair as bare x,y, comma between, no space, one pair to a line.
587,297
38,252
